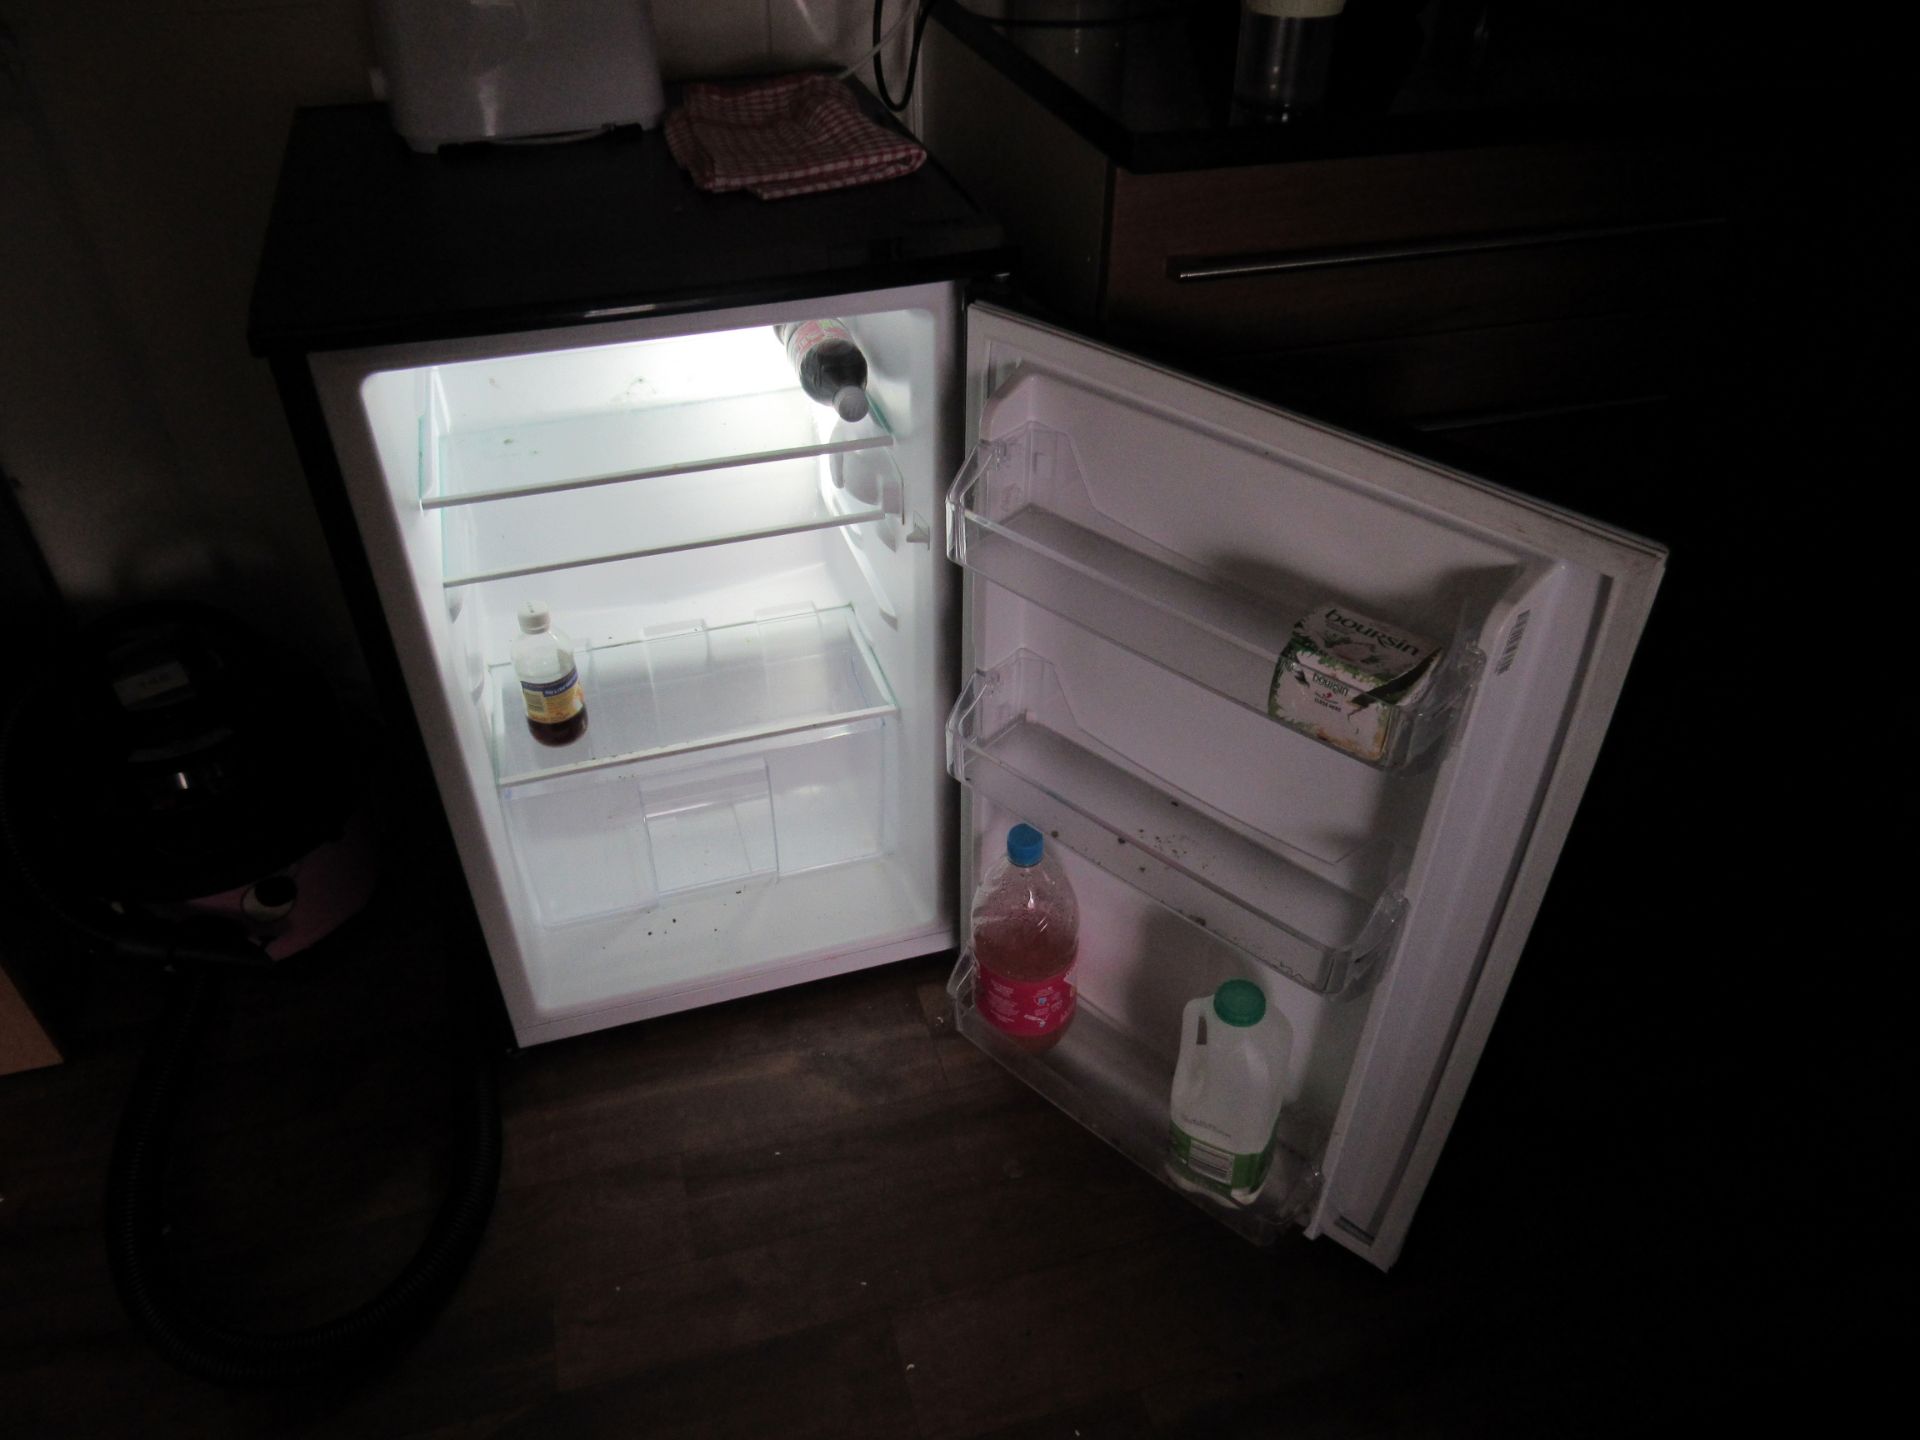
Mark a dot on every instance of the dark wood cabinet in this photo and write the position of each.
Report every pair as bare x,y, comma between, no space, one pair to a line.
1426,278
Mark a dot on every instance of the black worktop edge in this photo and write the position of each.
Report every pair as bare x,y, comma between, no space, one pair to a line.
268,342
1337,136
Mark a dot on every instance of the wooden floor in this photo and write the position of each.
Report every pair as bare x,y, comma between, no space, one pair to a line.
819,1213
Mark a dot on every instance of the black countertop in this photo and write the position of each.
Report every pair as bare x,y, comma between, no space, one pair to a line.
370,243
1149,82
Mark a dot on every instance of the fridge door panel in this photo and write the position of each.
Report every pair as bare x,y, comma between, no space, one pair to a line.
1153,540
1318,922
1114,1084
1028,514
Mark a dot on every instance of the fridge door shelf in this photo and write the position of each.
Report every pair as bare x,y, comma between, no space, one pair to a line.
668,513
1322,923
685,689
1103,1078
1020,514
617,446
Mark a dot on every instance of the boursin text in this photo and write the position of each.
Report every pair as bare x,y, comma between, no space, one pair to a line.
1372,632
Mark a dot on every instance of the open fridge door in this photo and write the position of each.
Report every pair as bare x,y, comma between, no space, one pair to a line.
1161,581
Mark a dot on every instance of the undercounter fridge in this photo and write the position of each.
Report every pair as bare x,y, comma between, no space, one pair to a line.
828,664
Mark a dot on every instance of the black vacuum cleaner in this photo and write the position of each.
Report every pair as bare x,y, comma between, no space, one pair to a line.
193,798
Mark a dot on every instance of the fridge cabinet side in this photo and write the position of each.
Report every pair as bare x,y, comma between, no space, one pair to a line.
370,417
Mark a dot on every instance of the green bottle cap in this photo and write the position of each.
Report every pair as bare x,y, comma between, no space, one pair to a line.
1240,1002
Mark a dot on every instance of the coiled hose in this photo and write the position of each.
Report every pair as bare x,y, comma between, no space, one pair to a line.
154,1297
166,1313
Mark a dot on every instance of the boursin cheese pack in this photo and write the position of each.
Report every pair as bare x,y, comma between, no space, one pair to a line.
1351,680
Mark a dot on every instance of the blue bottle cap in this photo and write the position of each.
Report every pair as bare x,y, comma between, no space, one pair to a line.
1025,845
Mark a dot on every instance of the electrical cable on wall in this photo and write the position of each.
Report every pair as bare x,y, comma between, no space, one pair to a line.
921,15
874,49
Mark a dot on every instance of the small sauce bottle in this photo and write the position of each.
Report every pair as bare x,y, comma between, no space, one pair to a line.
549,680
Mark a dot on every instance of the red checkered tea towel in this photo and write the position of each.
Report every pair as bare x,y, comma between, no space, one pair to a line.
787,136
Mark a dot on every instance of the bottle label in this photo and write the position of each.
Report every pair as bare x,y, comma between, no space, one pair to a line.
1024,1007
1216,1169
554,702
810,333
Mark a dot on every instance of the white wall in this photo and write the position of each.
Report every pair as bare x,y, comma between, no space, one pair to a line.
744,37
139,145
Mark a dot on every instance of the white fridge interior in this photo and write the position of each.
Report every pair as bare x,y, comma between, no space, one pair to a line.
779,688
763,631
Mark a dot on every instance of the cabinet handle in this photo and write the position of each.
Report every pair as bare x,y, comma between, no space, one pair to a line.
1282,262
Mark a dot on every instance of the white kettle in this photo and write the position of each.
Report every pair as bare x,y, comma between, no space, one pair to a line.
460,70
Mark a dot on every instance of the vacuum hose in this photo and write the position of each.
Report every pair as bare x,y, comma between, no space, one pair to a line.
196,954
136,1204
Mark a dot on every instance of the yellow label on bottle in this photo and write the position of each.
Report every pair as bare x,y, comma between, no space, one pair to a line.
555,701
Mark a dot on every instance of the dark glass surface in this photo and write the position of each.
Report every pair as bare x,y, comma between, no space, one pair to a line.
1151,81
371,243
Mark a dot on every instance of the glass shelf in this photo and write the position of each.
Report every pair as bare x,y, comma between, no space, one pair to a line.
1020,515
730,756
1105,1080
578,452
1322,923
662,516
691,688
743,814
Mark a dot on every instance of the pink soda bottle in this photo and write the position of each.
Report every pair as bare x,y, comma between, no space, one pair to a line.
1026,933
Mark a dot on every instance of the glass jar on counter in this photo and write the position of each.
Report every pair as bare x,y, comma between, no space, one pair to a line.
1285,57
